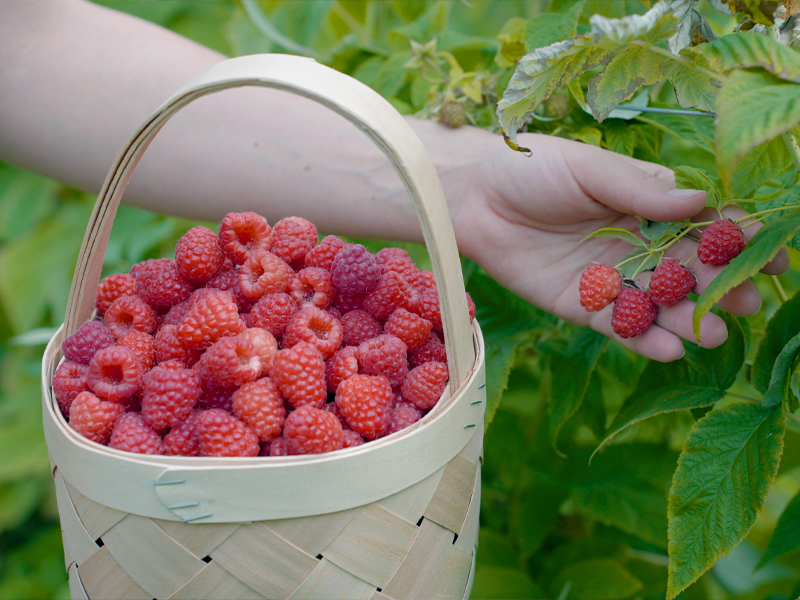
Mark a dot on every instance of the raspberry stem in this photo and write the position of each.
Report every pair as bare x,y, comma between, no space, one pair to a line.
776,284
761,213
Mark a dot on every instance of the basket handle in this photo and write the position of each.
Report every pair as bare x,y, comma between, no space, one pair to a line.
346,96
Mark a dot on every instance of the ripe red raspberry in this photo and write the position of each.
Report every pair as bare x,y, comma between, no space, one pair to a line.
424,385
292,239
112,287
230,362
351,438
143,346
259,404
264,273
215,397
94,418
392,292
182,439
346,303
131,433
355,271
332,408
316,327
68,382
81,346
426,281
175,314
214,316
277,447
599,285
398,260
221,434
340,366
365,401
313,285
299,373
273,311
160,284
310,430
384,355
242,233
170,394
359,326
671,282
265,344
322,254
130,312
227,280
720,242
198,255
409,327
404,414
114,374
167,346
470,307
431,350
634,312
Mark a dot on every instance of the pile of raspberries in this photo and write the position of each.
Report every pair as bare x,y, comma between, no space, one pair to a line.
256,340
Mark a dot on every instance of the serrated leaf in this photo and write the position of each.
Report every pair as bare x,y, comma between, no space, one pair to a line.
782,327
745,50
752,108
762,164
512,44
757,253
596,579
637,261
700,379
535,511
693,88
692,26
654,26
793,401
724,473
699,131
778,389
785,538
696,179
589,135
619,233
548,28
654,230
619,137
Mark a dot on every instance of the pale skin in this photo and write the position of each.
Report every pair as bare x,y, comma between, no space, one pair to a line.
79,79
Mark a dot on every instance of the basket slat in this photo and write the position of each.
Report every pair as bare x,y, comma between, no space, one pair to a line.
449,505
468,536
453,583
96,518
200,541
102,577
215,582
411,502
82,546
312,534
328,581
76,590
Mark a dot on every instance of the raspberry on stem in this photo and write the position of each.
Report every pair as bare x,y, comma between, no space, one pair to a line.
599,285
633,314
671,282
720,242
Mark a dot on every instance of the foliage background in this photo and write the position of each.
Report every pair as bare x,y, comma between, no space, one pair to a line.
551,525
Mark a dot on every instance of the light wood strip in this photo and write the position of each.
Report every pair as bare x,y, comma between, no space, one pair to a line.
264,561
215,582
312,534
468,536
453,583
153,559
451,501
329,581
379,596
474,448
198,539
76,591
471,578
418,574
79,543
96,518
104,579
372,545
412,501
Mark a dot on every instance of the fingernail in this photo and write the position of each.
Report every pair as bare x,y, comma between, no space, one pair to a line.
678,193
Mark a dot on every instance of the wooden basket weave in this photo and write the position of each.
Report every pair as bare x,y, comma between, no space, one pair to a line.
394,518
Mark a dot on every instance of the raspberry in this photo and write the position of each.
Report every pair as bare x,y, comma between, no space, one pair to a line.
424,384
392,292
228,281
398,260
470,307
332,408
182,439
452,114
322,254
160,284
198,255
213,317
143,346
599,285
340,366
671,282
351,438
720,242
313,285
175,314
221,434
112,287
216,397
114,374
81,346
130,312
309,430
264,273
355,271
169,396
131,433
278,447
68,382
265,344
94,418
259,404
292,239
168,347
359,326
431,350
346,303
334,312
230,362
384,355
272,312
365,401
634,312
409,327
402,415
316,327
242,233
426,281
299,373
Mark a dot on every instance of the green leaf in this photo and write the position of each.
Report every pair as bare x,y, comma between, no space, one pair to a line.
571,372
596,579
25,200
785,539
752,108
18,500
620,137
512,46
693,88
697,179
782,327
624,74
778,389
699,131
535,511
656,25
745,50
503,583
762,164
727,466
700,379
619,233
549,28
757,253
637,261
654,230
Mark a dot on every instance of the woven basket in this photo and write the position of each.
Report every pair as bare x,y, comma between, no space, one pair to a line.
394,518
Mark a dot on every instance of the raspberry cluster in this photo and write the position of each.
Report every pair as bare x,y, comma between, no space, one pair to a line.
256,340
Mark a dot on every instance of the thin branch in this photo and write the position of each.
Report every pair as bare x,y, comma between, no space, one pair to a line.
793,417
776,284
262,23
